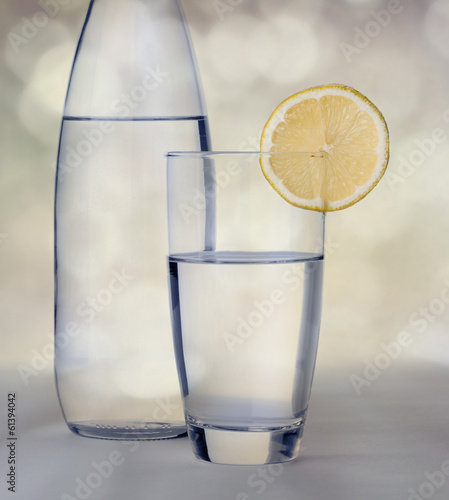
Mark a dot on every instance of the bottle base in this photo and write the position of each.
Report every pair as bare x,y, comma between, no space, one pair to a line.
244,447
127,431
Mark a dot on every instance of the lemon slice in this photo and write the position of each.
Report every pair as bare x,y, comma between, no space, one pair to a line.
340,124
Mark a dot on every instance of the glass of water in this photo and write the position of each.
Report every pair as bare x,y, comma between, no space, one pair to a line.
246,272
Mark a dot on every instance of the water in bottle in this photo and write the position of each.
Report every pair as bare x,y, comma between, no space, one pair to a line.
133,95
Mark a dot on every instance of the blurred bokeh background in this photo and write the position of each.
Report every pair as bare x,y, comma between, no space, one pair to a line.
387,267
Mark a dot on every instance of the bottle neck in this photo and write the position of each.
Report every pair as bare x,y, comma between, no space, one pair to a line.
134,60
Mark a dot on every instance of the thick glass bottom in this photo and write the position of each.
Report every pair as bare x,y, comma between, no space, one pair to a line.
127,431
245,447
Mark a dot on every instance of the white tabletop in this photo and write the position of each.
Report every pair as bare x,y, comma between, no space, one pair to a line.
372,446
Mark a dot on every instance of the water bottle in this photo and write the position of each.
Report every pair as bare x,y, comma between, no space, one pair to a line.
133,95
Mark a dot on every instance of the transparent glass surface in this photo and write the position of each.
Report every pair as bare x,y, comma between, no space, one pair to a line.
246,273
133,95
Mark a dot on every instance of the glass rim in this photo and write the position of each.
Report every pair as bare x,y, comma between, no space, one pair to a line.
175,154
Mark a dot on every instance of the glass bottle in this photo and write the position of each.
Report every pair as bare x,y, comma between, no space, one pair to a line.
133,95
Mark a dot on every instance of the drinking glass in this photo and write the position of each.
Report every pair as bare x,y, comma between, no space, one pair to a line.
245,272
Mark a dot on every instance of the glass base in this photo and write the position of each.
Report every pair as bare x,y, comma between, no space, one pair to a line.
127,431
245,447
